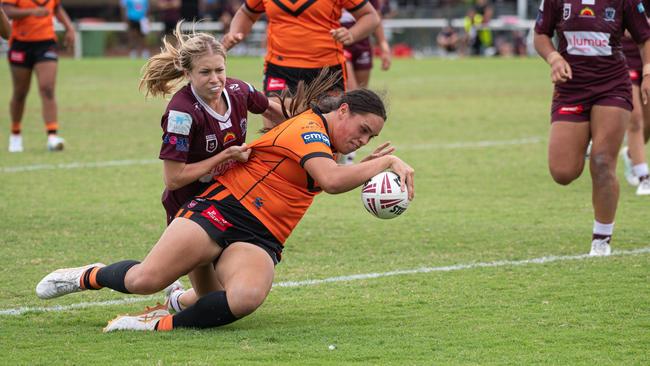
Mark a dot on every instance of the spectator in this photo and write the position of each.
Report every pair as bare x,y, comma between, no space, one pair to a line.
169,13
447,39
135,13
479,36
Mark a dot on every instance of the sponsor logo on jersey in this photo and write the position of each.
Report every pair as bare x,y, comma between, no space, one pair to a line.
567,11
182,144
179,122
640,8
192,204
634,75
275,84
211,143
586,12
259,202
50,55
588,43
588,2
228,138
17,56
309,137
216,218
610,14
571,109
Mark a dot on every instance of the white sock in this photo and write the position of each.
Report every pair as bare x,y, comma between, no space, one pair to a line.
603,229
174,301
640,170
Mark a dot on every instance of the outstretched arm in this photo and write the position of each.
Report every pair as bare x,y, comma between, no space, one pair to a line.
240,27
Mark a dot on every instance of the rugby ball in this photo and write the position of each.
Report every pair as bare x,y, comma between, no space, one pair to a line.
383,197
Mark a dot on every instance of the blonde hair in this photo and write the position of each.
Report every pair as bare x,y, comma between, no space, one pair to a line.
164,71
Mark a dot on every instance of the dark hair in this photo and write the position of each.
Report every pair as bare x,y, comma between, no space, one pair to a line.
359,101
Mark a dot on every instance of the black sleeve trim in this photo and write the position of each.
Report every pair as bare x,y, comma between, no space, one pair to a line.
358,6
252,10
318,154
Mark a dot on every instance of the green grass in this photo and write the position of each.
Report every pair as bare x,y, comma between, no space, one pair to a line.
473,204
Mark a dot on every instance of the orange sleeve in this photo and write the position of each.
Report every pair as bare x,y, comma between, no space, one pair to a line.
353,5
255,6
306,138
11,2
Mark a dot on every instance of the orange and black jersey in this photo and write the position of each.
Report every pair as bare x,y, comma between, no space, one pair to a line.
298,30
273,185
32,28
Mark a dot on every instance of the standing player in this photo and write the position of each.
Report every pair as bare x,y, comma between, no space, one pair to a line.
593,95
358,59
243,220
633,155
33,48
135,14
205,123
302,38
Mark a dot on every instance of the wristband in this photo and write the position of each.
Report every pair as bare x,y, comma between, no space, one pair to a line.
554,56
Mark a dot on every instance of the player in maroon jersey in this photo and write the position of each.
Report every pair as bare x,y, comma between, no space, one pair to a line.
205,123
593,94
638,128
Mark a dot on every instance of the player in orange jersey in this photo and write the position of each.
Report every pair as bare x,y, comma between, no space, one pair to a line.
303,37
5,27
242,221
33,48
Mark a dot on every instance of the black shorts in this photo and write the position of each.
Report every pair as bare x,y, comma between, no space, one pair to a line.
277,78
135,25
27,54
226,221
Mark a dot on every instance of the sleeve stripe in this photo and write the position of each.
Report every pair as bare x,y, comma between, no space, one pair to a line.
317,154
251,9
358,6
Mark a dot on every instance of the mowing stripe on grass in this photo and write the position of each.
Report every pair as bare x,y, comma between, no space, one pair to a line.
365,276
112,163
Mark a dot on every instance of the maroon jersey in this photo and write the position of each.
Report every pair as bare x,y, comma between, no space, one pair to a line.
192,131
589,33
631,49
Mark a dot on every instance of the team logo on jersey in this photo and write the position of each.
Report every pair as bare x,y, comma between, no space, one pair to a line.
567,11
179,122
586,12
228,138
294,7
211,143
309,137
610,13
243,124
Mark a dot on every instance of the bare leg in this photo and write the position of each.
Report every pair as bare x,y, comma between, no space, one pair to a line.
607,128
21,77
635,138
46,76
566,150
363,77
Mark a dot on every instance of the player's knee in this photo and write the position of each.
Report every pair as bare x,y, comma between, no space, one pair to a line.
47,92
603,166
144,283
564,175
243,301
636,121
19,96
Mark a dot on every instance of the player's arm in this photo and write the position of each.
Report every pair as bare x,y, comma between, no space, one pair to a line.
382,43
240,27
63,18
273,115
177,174
14,12
560,69
5,27
367,21
644,49
334,178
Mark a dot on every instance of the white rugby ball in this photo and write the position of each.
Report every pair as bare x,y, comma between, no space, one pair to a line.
383,197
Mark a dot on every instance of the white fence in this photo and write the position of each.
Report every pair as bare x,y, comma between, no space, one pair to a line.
500,24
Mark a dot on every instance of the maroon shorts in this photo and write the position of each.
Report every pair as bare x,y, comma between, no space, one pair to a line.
575,106
360,54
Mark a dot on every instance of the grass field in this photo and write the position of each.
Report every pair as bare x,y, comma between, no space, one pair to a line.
476,133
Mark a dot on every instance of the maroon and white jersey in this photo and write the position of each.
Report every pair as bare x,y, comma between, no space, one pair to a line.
631,49
192,131
589,33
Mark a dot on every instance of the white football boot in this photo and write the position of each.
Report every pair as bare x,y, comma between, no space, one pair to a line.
172,292
644,188
55,143
600,247
588,152
15,143
62,282
146,320
632,179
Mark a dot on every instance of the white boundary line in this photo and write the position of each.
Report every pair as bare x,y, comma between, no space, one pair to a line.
365,276
130,162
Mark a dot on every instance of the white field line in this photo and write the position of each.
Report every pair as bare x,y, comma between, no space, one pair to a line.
365,276
112,163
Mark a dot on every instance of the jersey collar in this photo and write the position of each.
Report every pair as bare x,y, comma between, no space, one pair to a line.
209,109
